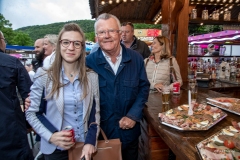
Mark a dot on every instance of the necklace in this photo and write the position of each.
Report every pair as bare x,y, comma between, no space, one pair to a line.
72,74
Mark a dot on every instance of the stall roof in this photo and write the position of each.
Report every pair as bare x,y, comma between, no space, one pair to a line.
227,35
147,11
137,11
24,48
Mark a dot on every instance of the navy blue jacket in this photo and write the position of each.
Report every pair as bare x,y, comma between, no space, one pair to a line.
123,94
13,131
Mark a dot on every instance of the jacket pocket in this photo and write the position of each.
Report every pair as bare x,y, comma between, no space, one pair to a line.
130,89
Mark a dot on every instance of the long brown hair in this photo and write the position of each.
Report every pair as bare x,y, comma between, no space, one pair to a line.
164,41
54,71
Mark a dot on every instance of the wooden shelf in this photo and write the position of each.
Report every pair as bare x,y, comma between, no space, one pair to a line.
214,22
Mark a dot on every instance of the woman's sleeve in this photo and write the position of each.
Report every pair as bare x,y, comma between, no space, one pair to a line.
177,71
94,119
35,98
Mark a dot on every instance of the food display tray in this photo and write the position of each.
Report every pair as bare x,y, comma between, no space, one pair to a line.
222,106
201,129
216,151
207,127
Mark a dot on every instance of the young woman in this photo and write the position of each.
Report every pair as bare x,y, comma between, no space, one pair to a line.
158,64
72,97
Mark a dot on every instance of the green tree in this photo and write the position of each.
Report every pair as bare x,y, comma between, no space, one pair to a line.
6,28
22,39
90,36
195,29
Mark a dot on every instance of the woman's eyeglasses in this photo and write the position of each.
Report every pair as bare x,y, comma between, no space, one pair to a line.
65,43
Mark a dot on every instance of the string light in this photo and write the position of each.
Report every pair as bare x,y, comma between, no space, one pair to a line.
110,2
103,2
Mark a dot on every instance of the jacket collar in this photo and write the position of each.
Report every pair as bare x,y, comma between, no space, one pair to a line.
134,43
101,59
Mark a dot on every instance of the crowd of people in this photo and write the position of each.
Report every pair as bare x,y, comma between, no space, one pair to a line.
108,87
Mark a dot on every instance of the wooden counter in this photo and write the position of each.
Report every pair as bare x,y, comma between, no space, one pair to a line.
180,142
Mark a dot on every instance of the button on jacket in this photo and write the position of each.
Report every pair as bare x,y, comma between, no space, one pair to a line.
121,94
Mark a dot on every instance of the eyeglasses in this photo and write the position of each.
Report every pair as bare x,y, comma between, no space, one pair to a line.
65,43
4,40
111,32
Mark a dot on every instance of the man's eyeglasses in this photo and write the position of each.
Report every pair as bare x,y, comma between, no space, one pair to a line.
65,43
111,32
4,40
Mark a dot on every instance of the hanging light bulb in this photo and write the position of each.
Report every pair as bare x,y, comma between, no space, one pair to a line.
132,0
110,2
103,2
117,1
124,0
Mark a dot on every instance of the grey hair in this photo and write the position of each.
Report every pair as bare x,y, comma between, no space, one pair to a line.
52,38
106,16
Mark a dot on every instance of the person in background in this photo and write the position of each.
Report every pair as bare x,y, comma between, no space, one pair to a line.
210,49
31,73
13,137
72,95
211,52
39,54
123,83
131,41
158,64
94,48
50,41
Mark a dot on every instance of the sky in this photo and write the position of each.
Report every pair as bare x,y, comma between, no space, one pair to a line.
22,13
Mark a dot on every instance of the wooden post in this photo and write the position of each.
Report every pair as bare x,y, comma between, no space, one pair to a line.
182,40
175,26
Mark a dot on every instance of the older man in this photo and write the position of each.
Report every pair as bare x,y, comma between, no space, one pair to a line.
13,131
131,41
123,85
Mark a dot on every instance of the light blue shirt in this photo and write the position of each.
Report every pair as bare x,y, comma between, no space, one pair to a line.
73,106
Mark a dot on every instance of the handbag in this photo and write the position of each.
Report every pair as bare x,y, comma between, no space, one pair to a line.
173,76
107,149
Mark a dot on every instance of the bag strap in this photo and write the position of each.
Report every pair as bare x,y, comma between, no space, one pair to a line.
102,132
172,70
146,62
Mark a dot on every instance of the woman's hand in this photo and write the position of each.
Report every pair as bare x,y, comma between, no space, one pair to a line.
62,139
158,86
27,103
87,151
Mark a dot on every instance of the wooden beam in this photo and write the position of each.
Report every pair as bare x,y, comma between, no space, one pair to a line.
182,40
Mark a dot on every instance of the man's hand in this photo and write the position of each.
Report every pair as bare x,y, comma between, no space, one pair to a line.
62,139
126,123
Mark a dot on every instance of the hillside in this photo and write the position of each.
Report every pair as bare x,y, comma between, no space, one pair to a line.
39,31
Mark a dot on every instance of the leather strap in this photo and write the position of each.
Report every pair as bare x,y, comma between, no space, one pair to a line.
172,70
